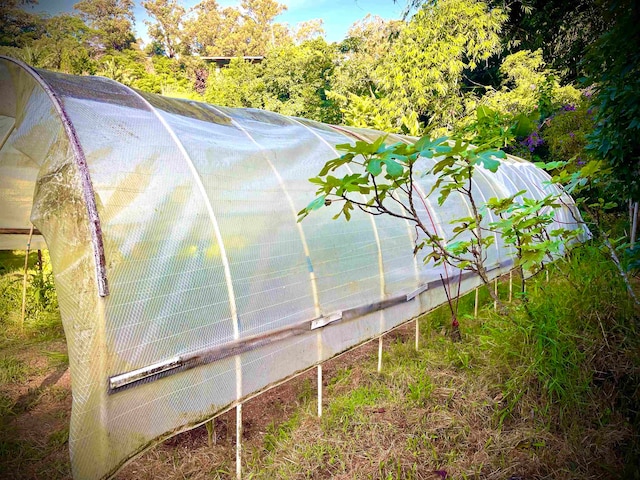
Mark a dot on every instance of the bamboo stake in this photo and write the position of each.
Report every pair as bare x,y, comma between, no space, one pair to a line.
380,354
24,281
510,285
239,441
634,224
211,433
319,391
417,335
475,308
495,290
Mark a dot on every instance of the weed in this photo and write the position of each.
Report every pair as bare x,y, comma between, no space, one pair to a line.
42,317
58,438
57,359
12,370
6,407
345,409
420,391
279,433
307,394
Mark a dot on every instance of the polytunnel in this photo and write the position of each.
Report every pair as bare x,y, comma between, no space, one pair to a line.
185,282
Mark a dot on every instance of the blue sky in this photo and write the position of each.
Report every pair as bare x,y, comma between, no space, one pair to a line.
338,15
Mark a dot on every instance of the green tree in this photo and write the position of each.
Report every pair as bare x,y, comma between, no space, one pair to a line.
309,30
240,84
66,43
292,80
112,19
613,67
527,88
355,81
423,74
18,28
297,79
247,30
563,34
425,69
166,30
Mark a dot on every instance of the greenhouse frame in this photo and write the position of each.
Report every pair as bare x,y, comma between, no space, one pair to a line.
186,284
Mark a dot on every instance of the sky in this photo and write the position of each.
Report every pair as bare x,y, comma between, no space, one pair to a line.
338,15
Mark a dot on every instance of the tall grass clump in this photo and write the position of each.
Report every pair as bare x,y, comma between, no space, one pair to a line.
576,336
42,315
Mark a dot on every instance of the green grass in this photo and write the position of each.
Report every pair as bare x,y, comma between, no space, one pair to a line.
12,370
547,391
537,393
42,320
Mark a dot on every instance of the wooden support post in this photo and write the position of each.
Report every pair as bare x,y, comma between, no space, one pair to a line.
634,224
510,285
24,281
495,290
380,354
319,391
546,272
239,441
211,433
417,334
475,308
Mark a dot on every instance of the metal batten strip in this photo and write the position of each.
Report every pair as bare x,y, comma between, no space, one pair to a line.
206,356
88,192
19,231
216,227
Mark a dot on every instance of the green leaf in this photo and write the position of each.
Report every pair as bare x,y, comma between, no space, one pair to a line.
374,167
489,163
483,111
523,126
394,169
317,203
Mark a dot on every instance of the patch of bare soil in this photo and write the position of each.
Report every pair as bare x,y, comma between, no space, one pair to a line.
35,424
188,455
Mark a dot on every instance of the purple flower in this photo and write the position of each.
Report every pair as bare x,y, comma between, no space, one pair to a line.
572,135
580,161
533,141
568,108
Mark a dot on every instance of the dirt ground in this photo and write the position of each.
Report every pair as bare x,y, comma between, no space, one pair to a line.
34,432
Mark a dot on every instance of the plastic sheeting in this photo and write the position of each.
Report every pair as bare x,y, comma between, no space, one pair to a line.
185,283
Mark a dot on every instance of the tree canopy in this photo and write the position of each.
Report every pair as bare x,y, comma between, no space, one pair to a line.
431,72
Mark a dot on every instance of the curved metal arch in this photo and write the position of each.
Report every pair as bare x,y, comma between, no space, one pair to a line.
303,238
88,192
212,216
373,222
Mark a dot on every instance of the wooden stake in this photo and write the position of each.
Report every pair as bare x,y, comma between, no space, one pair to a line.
417,335
634,224
239,441
546,272
475,308
495,290
24,281
380,354
211,433
510,285
319,391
